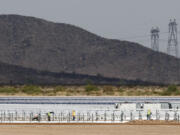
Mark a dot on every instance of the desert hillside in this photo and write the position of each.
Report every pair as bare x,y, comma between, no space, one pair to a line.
37,44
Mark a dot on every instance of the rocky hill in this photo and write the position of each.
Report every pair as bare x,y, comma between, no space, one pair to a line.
16,75
40,45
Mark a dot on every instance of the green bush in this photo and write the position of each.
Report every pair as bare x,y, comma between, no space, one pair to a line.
171,90
166,93
31,90
90,88
8,90
177,93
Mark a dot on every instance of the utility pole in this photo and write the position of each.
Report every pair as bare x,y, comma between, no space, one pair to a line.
172,48
155,39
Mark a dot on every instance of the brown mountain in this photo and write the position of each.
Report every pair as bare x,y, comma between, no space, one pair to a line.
41,45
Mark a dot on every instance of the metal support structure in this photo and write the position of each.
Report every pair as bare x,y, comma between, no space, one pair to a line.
105,116
167,116
140,115
172,48
157,115
155,39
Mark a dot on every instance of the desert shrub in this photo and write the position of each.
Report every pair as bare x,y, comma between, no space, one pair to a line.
111,93
171,90
108,90
31,89
8,90
165,93
156,92
129,93
90,88
59,89
177,93
138,93
120,90
99,93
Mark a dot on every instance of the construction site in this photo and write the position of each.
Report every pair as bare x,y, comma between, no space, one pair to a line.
89,115
88,109
89,67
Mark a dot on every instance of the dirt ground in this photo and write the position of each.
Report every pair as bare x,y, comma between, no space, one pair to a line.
153,122
91,130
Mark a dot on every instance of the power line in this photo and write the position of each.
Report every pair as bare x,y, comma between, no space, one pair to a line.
155,39
172,48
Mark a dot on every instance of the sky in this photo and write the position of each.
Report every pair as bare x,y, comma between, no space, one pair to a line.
129,20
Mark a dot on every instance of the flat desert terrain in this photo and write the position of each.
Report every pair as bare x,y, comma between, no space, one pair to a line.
92,130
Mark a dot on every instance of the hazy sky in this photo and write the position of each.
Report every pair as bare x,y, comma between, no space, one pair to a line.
119,19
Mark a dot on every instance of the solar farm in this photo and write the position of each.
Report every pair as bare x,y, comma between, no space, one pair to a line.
87,109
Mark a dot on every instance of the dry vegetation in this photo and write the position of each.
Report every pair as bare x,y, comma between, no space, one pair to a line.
90,90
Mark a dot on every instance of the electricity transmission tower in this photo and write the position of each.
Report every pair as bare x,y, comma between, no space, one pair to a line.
155,39
172,48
